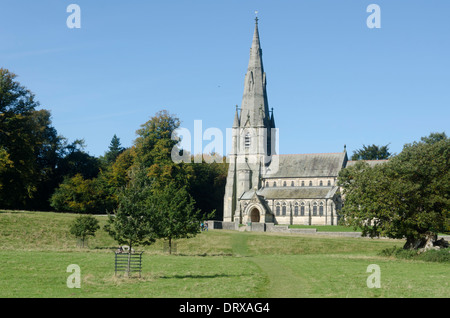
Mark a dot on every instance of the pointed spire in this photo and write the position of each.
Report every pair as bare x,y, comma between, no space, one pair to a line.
255,95
236,118
272,120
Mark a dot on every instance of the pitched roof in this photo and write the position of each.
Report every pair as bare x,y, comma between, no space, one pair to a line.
370,162
306,165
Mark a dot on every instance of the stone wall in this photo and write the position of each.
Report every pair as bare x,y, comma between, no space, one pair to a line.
219,225
271,227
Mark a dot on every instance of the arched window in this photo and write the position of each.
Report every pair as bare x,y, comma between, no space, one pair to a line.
303,183
310,183
302,209
296,209
315,209
277,209
321,209
247,141
284,183
292,183
321,183
329,182
274,183
283,210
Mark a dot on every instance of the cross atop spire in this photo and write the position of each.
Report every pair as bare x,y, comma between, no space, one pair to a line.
256,18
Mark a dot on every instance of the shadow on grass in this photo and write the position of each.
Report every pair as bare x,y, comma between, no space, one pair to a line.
197,276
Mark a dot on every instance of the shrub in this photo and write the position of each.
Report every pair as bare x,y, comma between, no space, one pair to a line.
441,255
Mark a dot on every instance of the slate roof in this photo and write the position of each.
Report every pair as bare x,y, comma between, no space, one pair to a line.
370,162
306,165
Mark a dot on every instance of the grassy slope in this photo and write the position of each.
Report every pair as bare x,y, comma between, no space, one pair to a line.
35,250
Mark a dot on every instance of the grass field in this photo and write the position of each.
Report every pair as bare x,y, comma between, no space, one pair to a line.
36,249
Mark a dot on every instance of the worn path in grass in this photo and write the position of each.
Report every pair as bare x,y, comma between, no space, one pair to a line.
280,278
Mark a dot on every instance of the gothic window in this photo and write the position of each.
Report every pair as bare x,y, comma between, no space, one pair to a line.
303,183
296,209
283,210
310,183
284,183
292,183
277,209
247,141
302,209
321,209
315,209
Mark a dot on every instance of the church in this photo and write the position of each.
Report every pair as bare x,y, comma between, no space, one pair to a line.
265,187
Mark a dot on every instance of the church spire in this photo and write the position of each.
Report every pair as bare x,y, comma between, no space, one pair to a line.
254,99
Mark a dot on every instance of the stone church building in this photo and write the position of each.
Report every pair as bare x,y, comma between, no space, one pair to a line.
263,186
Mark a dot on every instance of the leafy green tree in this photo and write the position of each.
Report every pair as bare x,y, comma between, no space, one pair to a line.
5,162
83,227
30,144
372,152
155,135
118,175
176,214
74,160
75,194
153,148
81,195
207,186
434,137
406,197
133,223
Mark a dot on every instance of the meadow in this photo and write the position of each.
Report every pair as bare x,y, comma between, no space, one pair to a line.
36,249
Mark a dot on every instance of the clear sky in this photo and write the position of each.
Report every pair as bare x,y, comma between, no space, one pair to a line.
330,79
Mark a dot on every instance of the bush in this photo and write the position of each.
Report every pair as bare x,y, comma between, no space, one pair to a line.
441,255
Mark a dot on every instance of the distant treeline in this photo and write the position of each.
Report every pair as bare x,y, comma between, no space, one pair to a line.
41,170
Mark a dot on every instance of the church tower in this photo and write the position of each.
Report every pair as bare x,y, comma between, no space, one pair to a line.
252,138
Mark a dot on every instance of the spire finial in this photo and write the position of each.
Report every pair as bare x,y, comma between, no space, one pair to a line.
256,18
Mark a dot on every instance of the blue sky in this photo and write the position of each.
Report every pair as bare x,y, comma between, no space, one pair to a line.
331,80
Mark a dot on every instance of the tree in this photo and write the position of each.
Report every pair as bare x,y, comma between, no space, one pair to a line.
156,133
84,226
372,152
81,195
5,162
153,148
74,160
114,150
207,186
407,197
29,143
133,223
176,214
434,137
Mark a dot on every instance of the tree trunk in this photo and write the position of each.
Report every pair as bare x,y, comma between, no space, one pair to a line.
425,242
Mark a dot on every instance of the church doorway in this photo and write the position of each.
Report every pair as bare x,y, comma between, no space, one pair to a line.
254,215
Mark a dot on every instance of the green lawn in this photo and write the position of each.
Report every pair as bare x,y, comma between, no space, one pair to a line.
35,250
